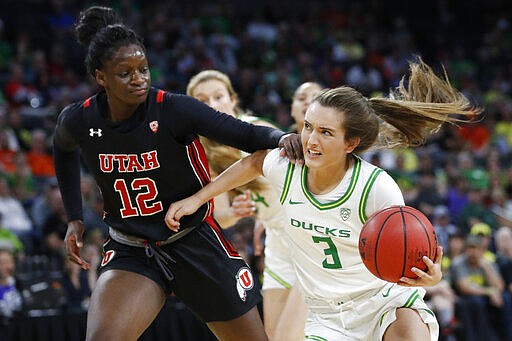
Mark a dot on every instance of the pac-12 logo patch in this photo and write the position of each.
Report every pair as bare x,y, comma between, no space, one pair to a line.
244,282
107,257
345,213
153,125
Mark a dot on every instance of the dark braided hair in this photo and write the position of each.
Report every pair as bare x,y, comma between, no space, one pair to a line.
102,32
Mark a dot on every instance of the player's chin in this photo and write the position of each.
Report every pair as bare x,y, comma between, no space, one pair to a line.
312,162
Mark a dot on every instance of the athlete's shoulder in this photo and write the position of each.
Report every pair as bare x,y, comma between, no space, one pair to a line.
168,97
70,123
177,103
73,113
274,163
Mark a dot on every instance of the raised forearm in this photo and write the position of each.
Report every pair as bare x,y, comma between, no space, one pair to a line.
238,174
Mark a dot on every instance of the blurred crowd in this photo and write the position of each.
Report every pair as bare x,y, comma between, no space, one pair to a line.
461,179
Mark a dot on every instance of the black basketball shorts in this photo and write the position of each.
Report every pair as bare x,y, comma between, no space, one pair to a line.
210,277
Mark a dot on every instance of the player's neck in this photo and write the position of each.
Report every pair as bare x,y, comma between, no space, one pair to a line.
117,111
325,179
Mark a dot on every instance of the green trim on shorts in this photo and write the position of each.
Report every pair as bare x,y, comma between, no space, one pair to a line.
412,299
428,311
382,318
315,338
272,274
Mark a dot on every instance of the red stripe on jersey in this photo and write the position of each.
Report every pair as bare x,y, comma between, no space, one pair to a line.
202,154
87,102
211,207
198,160
160,96
230,250
197,157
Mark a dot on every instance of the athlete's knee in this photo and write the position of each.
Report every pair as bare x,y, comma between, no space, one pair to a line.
407,326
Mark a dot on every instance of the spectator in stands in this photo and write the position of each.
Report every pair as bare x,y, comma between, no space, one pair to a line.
456,197
78,283
21,180
7,153
41,207
10,241
503,237
54,229
485,232
442,297
442,225
427,194
479,285
456,246
10,298
12,140
39,156
14,216
476,211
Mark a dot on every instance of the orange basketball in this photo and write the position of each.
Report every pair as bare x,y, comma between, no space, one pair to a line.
395,239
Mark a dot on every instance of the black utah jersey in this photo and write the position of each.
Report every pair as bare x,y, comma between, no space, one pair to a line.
157,160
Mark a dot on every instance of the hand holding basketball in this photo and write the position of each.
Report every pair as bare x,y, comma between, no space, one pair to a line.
396,239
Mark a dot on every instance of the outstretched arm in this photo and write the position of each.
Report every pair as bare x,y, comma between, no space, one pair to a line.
238,174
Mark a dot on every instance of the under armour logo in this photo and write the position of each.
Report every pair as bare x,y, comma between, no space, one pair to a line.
92,132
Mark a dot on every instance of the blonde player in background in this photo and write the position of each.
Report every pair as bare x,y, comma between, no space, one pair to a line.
344,300
283,308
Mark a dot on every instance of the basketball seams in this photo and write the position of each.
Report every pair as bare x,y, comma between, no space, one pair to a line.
377,241
419,219
380,240
404,231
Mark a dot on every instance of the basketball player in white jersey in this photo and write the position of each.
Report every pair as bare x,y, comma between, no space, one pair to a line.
328,199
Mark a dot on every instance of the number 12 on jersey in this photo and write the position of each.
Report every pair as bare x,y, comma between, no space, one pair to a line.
144,201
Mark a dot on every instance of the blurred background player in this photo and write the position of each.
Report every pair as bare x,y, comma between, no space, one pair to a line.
283,307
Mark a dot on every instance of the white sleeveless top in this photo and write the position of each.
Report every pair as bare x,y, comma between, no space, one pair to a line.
324,229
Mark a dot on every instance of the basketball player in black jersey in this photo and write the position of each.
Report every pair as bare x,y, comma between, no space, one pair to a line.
141,144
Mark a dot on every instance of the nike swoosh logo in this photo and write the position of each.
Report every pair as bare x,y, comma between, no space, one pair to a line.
291,202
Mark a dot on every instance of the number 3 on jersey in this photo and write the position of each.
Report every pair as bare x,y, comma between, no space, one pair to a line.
331,252
144,201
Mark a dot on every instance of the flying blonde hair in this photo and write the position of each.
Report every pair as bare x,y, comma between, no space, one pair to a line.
413,111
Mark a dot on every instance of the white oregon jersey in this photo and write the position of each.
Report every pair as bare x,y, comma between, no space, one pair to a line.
324,229
268,207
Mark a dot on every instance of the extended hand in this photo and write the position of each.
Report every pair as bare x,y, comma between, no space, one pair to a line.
292,148
242,205
74,243
429,278
180,208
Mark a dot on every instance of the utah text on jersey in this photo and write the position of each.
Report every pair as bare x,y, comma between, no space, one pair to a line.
128,163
